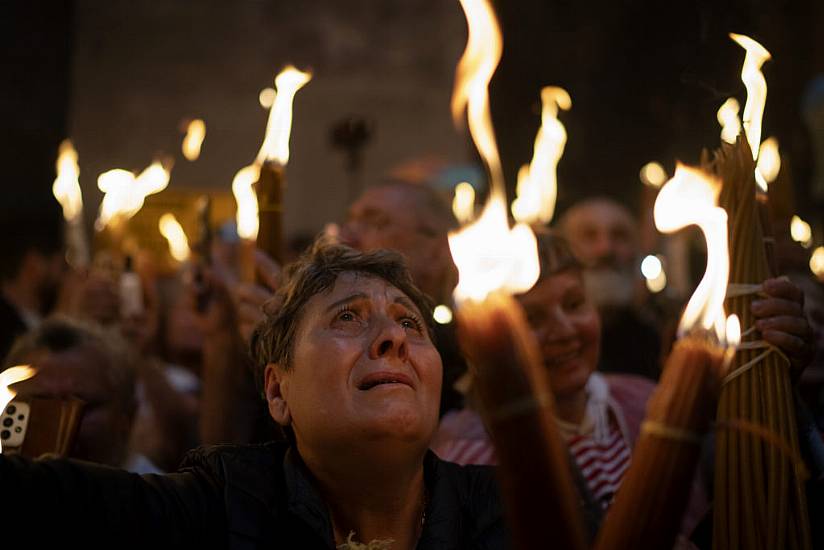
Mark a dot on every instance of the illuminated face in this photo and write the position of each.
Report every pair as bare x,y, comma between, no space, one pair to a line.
601,233
363,368
567,328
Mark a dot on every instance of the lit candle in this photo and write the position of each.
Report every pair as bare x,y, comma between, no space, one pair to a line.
494,261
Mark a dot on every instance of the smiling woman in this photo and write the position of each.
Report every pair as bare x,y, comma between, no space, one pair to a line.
346,363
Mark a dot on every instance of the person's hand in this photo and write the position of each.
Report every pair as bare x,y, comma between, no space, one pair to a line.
782,322
250,297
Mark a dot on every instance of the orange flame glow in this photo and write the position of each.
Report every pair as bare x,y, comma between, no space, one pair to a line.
7,378
195,134
66,186
691,197
171,229
537,187
279,127
472,75
490,256
246,199
125,193
756,85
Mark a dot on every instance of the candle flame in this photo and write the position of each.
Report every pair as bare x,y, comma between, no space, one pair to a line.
653,174
195,134
463,205
125,193
246,198
66,186
178,243
769,160
801,231
472,75
490,256
756,85
817,262
537,187
279,126
691,198
729,121
8,377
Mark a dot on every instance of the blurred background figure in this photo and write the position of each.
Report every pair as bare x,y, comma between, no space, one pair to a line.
603,235
33,264
79,360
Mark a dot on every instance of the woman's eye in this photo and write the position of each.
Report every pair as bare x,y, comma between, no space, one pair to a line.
409,322
346,315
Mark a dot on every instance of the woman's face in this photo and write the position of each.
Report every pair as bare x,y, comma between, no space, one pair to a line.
567,328
363,368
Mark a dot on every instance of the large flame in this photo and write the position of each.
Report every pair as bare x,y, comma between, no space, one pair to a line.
756,85
195,134
279,126
691,197
769,160
728,119
490,256
178,243
246,199
463,205
537,187
472,75
125,193
7,378
66,186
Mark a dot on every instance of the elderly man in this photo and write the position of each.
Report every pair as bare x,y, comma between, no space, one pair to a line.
603,235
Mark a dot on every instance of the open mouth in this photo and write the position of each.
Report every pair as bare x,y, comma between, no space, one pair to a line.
382,379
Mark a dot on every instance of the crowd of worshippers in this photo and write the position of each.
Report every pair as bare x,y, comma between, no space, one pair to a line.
325,404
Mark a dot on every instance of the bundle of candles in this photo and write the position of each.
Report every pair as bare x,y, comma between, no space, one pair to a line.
648,509
759,494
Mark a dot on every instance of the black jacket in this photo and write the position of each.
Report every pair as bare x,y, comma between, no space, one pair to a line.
237,497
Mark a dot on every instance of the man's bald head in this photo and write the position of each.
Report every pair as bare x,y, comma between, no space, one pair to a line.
412,219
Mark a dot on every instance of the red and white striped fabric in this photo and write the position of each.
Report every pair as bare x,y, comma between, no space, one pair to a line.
602,463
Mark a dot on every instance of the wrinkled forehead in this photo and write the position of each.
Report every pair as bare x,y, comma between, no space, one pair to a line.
359,285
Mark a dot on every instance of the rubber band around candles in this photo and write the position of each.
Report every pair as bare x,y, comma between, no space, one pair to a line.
670,432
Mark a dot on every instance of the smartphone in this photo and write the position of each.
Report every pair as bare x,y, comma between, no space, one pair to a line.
14,422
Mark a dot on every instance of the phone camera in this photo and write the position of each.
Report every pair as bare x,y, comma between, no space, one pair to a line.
11,410
7,422
5,434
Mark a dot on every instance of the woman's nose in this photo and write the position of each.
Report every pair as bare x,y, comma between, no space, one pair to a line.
389,342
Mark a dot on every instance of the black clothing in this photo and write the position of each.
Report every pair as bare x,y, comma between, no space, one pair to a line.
11,326
236,497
